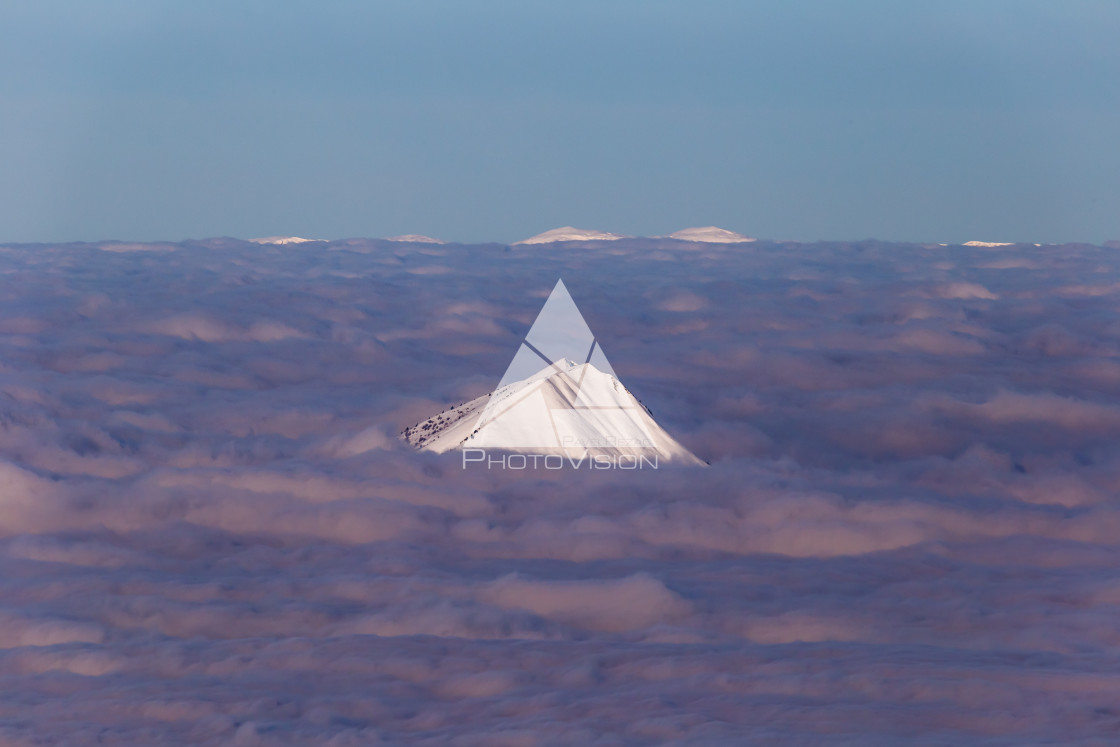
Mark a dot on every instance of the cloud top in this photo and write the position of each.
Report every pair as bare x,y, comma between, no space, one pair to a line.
211,532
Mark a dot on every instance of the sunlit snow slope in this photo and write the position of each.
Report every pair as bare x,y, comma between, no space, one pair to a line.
566,408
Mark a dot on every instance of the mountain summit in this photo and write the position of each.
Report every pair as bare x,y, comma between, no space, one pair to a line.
283,240
559,395
711,235
415,238
568,233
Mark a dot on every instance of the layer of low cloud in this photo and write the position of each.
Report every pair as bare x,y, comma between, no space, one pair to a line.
211,533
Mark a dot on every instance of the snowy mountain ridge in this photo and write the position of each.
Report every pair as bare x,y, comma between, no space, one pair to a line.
415,238
710,235
283,240
568,409
568,233
701,234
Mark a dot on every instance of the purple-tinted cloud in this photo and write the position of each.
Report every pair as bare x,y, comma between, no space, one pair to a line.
211,533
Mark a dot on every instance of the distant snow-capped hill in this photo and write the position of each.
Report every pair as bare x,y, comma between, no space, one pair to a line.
988,243
415,238
568,233
711,234
283,240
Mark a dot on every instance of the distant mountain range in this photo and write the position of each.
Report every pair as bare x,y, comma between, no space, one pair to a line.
705,234
570,234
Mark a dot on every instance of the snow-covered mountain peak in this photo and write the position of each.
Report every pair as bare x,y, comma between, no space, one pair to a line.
568,233
548,403
577,411
710,234
283,240
545,370
415,238
987,243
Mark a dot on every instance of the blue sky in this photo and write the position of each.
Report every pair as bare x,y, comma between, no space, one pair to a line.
478,121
